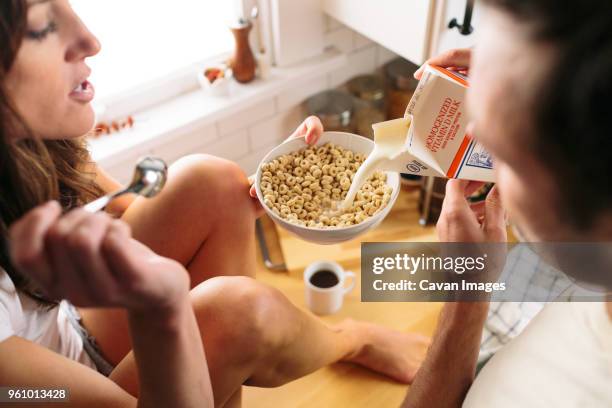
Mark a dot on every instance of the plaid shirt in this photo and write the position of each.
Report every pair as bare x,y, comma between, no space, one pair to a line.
531,278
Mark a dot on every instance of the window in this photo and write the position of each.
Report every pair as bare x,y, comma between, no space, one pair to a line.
147,41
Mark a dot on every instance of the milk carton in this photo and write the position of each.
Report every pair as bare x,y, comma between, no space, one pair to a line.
436,143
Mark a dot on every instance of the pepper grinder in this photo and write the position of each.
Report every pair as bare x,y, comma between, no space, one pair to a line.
243,62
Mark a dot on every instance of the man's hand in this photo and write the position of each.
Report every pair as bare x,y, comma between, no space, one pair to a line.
459,222
449,368
455,60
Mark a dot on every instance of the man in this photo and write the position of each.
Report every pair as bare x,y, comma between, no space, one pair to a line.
540,80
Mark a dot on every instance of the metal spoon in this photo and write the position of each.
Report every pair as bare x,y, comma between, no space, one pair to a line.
149,178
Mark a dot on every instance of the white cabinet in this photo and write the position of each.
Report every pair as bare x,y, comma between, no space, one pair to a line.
297,28
414,29
403,26
444,37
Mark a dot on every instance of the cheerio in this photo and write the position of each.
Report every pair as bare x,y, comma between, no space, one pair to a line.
433,131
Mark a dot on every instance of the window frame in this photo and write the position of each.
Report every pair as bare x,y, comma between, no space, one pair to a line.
162,89
153,92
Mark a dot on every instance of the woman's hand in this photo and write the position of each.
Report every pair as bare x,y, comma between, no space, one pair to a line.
456,60
311,130
91,260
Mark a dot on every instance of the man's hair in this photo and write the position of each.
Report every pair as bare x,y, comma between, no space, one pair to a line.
573,109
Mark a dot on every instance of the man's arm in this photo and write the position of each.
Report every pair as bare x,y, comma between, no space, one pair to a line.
448,370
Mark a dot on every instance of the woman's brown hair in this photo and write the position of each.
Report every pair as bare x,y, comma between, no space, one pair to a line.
32,171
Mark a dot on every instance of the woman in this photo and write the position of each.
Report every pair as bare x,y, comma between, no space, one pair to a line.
153,287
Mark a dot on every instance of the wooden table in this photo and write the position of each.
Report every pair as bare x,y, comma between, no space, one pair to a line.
345,385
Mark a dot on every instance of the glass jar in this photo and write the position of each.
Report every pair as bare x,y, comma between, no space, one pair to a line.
369,91
400,86
334,108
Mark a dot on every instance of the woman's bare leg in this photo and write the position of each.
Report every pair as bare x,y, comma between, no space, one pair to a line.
253,335
204,219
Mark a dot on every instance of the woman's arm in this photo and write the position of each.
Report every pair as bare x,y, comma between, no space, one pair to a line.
166,349
165,335
170,356
25,364
91,260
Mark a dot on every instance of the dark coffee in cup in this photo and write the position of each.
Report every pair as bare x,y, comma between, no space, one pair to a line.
326,284
324,279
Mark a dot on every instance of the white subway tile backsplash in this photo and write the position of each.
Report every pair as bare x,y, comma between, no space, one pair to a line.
247,117
265,133
231,146
276,129
298,94
248,135
123,171
384,55
332,24
360,41
359,62
186,143
250,162
341,39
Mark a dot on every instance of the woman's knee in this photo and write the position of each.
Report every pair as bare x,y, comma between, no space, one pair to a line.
242,315
211,178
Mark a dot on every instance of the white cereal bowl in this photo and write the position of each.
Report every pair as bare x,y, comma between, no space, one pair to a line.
335,235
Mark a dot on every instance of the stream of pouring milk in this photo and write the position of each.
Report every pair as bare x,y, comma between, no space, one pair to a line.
389,138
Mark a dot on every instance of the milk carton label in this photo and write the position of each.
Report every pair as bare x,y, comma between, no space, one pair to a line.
437,136
477,156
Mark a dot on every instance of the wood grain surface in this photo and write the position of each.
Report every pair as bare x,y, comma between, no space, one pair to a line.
345,385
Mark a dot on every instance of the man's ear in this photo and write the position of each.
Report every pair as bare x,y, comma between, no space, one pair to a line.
602,227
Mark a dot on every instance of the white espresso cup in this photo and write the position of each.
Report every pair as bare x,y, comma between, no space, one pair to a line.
325,283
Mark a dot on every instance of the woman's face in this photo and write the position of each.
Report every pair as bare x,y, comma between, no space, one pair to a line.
48,80
506,69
